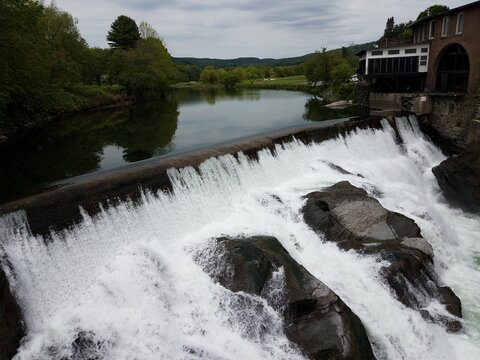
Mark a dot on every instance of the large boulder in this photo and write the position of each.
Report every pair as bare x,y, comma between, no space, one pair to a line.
459,178
316,319
346,215
11,325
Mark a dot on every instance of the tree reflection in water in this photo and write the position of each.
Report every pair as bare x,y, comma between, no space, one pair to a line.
315,110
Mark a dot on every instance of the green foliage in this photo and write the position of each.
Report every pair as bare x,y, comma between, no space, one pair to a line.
146,71
41,55
209,76
231,79
432,10
396,31
241,62
344,91
341,73
189,72
318,68
389,27
123,33
94,65
46,67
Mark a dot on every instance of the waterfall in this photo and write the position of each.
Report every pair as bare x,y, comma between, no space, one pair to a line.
125,280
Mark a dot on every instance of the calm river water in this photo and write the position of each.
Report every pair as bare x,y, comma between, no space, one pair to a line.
186,120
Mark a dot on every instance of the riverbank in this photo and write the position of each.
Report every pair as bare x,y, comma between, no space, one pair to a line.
83,99
329,93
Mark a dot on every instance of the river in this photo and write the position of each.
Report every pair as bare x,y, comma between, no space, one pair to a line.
187,119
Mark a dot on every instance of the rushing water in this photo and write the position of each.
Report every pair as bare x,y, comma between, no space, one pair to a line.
186,120
127,282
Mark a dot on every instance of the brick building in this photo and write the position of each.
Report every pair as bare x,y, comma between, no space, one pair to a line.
443,56
454,39
435,74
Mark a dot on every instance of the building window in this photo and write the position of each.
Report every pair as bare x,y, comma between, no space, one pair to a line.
377,52
424,50
393,52
390,66
431,32
445,26
410,51
425,32
459,29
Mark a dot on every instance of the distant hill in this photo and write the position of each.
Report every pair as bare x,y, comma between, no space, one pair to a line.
245,61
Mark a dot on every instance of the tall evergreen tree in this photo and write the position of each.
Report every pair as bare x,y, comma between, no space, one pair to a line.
123,33
389,28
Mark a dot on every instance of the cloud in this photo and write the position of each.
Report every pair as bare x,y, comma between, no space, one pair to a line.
233,28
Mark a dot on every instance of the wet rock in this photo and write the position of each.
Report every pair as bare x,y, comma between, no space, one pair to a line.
316,319
11,325
459,178
419,244
346,215
88,346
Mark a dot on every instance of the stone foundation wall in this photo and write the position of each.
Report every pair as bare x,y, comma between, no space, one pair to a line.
456,117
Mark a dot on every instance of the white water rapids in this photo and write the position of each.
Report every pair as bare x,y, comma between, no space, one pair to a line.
126,280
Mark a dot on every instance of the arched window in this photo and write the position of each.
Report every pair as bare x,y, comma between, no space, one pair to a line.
453,70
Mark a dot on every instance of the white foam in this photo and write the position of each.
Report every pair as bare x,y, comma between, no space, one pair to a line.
128,280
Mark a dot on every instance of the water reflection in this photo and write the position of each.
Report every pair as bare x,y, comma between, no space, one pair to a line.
187,119
87,143
211,96
315,110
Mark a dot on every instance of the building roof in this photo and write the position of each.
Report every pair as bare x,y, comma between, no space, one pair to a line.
445,13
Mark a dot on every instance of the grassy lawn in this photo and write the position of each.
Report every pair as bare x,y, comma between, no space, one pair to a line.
289,80
296,83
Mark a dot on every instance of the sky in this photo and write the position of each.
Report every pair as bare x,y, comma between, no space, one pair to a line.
239,28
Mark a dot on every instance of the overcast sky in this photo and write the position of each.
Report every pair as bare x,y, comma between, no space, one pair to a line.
259,28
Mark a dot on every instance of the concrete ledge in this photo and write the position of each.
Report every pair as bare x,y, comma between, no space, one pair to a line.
59,209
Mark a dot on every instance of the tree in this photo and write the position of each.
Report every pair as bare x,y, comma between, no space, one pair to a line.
432,10
341,73
190,72
147,31
318,67
209,75
123,33
396,31
231,79
389,27
146,71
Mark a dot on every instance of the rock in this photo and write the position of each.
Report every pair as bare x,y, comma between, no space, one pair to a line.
346,215
459,178
316,319
419,244
88,346
11,325
339,105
